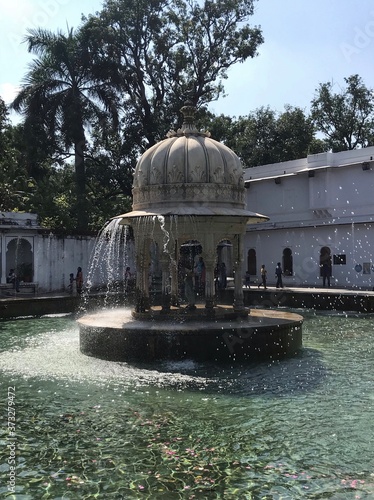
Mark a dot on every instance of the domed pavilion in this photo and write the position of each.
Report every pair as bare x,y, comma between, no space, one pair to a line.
188,189
188,199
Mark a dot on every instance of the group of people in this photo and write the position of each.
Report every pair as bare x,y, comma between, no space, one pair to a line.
78,279
278,275
325,273
76,282
192,278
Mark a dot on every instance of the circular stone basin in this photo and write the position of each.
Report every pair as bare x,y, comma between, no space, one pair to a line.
116,335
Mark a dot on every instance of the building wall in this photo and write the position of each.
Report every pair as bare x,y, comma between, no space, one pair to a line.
323,201
55,258
354,241
52,258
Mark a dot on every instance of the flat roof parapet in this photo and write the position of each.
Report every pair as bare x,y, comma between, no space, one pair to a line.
19,220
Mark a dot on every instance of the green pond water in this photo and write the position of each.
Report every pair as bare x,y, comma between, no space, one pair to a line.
91,429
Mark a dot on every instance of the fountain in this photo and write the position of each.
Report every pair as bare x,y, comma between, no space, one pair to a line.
188,194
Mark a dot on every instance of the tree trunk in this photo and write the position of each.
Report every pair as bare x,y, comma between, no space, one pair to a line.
80,182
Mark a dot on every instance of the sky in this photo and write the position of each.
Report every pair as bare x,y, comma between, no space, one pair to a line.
306,43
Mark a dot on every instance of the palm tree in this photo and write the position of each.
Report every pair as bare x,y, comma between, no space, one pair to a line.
63,92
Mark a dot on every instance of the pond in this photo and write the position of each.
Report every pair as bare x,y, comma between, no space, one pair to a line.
83,428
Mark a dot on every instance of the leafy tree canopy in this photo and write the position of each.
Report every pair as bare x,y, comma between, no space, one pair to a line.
60,97
168,50
136,59
346,118
15,182
103,94
264,136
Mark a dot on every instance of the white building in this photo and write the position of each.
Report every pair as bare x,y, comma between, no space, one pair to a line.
39,257
43,260
320,209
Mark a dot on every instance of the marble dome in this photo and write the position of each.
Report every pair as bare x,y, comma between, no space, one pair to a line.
189,173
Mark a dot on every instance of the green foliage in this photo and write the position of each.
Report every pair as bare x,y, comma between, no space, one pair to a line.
345,118
167,51
15,182
139,59
105,93
264,136
53,199
60,97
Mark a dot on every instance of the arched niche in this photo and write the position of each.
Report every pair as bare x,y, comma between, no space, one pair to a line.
252,262
287,262
20,257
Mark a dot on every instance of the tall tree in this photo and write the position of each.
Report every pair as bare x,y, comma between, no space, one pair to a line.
62,95
168,50
346,118
3,115
110,163
296,135
14,178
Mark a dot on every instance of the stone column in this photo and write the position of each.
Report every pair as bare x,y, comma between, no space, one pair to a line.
238,273
174,276
165,291
3,261
142,289
210,257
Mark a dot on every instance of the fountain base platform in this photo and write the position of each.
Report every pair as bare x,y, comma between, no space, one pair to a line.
116,335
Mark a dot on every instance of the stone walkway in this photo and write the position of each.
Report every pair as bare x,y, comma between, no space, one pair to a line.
341,299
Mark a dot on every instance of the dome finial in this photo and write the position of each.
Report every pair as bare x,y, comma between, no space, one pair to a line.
188,126
188,111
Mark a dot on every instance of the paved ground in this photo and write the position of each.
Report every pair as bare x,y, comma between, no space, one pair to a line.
253,288
331,290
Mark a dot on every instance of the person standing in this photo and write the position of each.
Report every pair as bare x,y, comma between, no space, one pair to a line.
13,278
279,274
71,283
247,279
326,273
79,280
189,289
200,276
263,276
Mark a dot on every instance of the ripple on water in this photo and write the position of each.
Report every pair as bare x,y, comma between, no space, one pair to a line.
299,428
56,354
